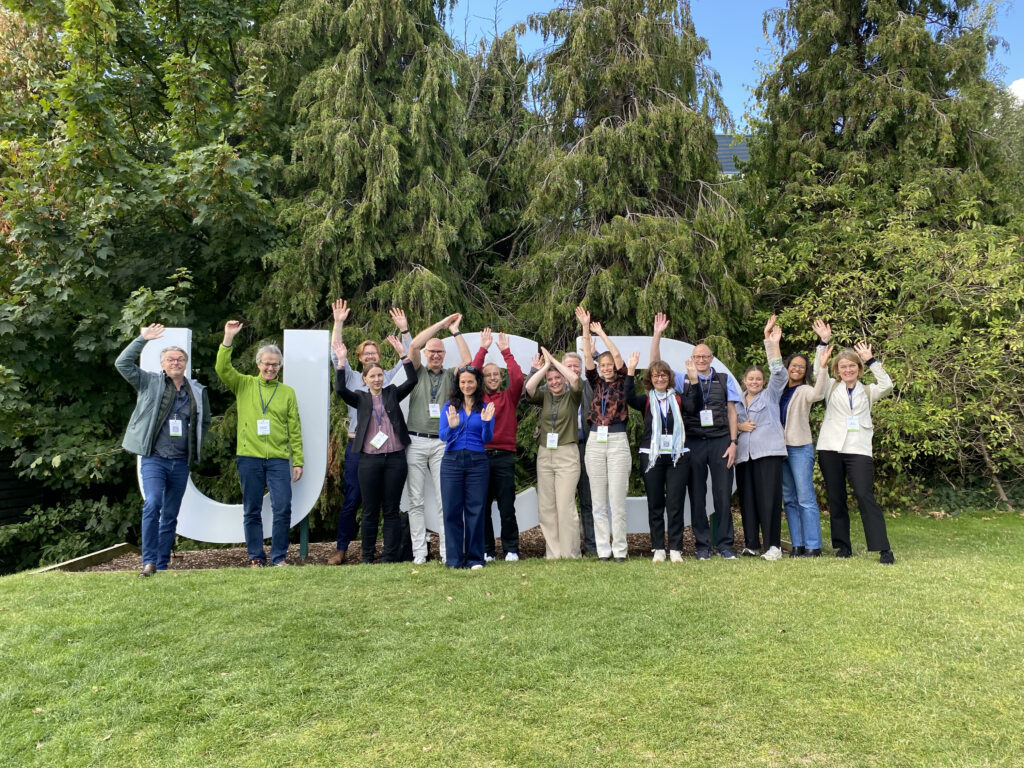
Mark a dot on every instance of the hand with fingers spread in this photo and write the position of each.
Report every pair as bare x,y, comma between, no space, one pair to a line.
502,342
584,318
152,331
691,370
231,329
772,331
537,362
660,323
596,328
486,338
453,416
823,329
396,344
825,356
863,350
632,363
488,412
399,319
340,311
340,352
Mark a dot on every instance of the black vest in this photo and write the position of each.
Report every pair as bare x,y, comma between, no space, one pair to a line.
717,400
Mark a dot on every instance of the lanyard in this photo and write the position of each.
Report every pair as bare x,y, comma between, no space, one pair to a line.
434,387
604,400
700,381
378,414
663,407
259,386
180,401
553,411
849,393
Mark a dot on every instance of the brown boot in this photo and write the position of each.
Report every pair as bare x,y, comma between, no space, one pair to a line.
338,558
147,570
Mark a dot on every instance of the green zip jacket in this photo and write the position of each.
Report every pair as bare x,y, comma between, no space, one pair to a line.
278,404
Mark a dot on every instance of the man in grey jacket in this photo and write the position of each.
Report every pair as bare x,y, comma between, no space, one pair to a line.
166,429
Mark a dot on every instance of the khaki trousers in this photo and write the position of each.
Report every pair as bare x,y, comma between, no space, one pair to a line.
608,466
558,472
424,456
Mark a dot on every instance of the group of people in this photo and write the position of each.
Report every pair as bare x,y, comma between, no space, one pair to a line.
460,436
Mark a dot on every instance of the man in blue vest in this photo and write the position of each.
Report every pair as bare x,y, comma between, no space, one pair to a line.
171,417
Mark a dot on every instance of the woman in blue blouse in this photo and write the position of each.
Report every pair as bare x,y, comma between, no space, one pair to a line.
469,426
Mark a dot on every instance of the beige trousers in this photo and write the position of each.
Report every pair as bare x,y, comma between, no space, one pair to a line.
608,466
558,472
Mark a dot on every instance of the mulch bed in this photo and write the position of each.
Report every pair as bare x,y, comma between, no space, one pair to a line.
531,545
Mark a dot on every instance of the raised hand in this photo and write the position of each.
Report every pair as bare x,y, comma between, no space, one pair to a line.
631,364
537,362
340,310
547,356
823,329
660,323
453,322
774,334
768,327
486,338
584,318
453,416
396,344
400,320
596,328
502,342
231,329
340,352
488,412
826,355
152,331
691,370
863,349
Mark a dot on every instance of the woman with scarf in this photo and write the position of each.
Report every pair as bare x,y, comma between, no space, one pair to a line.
664,456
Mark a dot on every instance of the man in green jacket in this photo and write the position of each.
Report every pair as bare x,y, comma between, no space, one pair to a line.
269,451
166,429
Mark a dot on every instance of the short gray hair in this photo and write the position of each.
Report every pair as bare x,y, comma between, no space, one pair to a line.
577,355
165,350
272,349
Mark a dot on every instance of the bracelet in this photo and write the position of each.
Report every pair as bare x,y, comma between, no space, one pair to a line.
735,440
405,331
457,333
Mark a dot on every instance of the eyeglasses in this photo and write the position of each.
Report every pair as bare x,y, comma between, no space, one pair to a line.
798,366
179,360
269,365
702,357
659,375
434,351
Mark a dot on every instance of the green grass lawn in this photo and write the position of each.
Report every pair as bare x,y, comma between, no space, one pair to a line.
746,663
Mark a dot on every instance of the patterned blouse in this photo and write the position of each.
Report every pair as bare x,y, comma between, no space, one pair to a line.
609,396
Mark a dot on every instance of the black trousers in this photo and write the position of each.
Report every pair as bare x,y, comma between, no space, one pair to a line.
759,482
502,488
381,479
666,495
706,456
586,506
836,468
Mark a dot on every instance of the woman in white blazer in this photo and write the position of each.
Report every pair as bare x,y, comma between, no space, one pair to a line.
844,447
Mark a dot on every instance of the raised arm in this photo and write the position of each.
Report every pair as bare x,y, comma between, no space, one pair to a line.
486,337
411,376
616,357
340,378
420,339
225,370
515,373
571,379
632,398
460,341
779,376
588,343
883,384
127,363
660,324
537,378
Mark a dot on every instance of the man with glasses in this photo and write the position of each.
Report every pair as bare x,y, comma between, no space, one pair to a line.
269,451
709,415
426,449
166,429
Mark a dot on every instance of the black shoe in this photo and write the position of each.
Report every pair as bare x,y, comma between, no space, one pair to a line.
886,557
620,559
605,559
149,569
726,554
703,554
844,552
798,552
812,553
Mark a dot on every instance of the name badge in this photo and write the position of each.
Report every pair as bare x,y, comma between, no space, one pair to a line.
262,426
434,409
666,443
552,440
378,440
175,427
602,434
707,418
852,424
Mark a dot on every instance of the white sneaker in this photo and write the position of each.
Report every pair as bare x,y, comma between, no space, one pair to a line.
511,557
773,553
488,558
675,556
476,567
659,556
421,560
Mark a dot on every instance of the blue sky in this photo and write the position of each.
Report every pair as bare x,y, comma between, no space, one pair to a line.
732,29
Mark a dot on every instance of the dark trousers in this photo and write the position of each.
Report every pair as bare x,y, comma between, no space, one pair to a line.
586,506
163,483
350,498
274,475
705,456
463,498
759,482
381,479
501,487
836,468
666,494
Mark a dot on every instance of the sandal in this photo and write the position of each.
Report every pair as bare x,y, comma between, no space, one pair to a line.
255,563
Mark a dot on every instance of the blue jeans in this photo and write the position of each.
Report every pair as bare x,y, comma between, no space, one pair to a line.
464,476
276,476
798,497
350,498
163,482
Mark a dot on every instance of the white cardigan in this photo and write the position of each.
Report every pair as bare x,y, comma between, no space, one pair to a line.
834,435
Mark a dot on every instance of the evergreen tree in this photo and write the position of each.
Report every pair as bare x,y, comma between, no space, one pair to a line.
628,210
880,204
